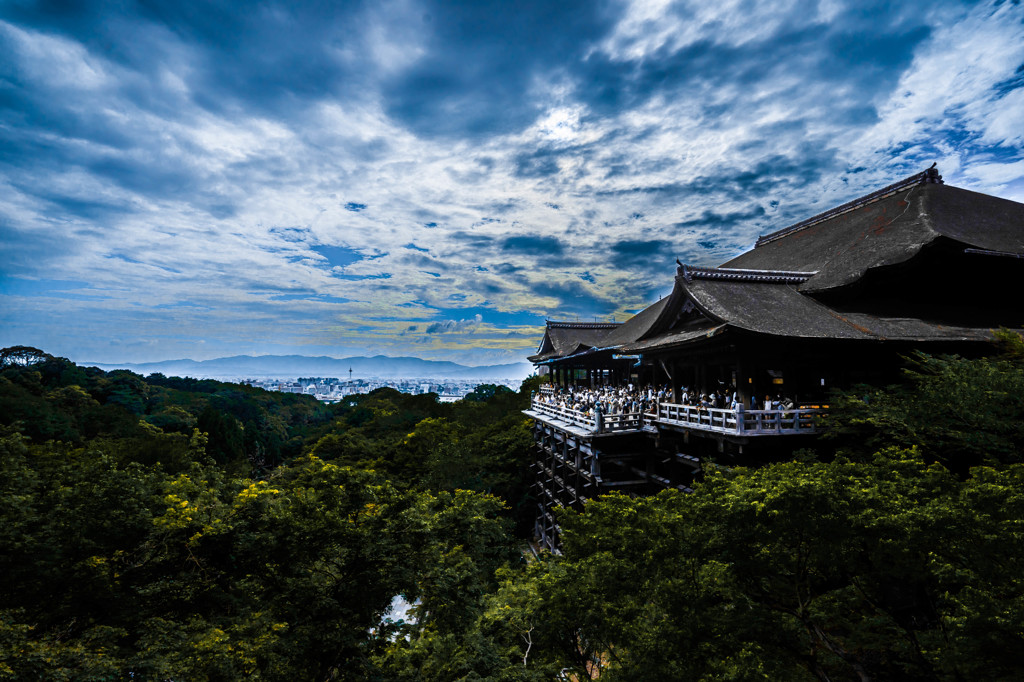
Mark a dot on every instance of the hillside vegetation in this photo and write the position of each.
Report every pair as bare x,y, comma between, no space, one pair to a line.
159,528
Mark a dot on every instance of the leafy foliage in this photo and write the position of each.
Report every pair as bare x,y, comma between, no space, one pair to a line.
893,569
163,528
136,541
249,429
961,413
482,445
123,569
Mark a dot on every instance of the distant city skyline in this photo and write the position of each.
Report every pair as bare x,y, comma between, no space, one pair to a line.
292,366
408,178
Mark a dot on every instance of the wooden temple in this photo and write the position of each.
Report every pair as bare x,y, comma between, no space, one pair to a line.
832,301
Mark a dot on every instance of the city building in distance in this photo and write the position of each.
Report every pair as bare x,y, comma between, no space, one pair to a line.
333,389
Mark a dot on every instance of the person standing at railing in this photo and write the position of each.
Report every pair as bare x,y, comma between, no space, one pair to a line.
786,403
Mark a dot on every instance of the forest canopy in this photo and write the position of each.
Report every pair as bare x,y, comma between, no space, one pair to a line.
162,528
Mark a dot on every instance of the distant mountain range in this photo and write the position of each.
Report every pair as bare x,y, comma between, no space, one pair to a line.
292,366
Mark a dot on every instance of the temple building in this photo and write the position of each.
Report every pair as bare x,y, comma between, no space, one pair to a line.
830,302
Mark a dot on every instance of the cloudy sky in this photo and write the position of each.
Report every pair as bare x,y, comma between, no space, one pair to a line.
183,179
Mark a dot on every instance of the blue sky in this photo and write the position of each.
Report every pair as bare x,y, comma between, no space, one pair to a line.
185,179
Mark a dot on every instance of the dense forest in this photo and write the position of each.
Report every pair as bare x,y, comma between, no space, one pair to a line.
156,528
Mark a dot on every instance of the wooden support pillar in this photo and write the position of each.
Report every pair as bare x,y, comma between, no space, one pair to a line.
742,387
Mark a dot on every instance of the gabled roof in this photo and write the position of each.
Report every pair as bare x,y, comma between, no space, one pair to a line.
639,325
777,308
767,308
782,310
566,338
675,338
563,339
887,227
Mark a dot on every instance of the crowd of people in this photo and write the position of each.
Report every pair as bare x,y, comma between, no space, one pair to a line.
729,399
630,399
607,400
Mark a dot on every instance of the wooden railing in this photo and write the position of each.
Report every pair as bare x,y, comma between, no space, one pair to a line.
566,414
610,423
627,421
747,423
734,422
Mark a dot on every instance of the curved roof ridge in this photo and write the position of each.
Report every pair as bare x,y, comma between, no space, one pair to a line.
747,275
582,325
927,176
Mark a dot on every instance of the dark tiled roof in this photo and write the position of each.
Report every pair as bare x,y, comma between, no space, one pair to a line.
572,338
778,309
885,228
782,310
930,176
565,338
913,329
675,338
637,326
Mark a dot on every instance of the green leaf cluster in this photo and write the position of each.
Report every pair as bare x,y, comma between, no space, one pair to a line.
116,571
893,569
956,411
151,420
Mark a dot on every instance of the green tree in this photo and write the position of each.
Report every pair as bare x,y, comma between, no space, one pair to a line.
959,412
226,440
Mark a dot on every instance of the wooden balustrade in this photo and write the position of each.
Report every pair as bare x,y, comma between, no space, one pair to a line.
747,423
741,423
566,414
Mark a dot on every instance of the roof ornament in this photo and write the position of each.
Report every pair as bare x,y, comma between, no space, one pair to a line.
931,175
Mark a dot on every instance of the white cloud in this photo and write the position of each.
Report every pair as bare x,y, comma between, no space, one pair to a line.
56,62
448,326
947,93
